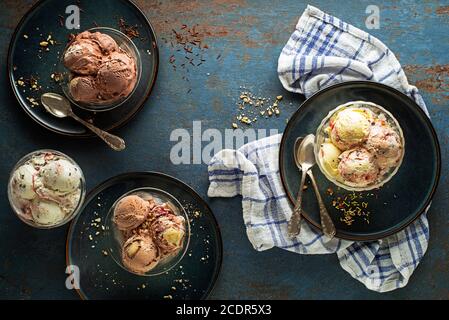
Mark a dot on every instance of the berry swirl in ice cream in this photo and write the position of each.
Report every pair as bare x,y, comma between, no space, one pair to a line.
46,189
360,145
151,232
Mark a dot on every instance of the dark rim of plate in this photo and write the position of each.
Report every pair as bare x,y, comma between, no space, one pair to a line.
190,190
88,134
438,159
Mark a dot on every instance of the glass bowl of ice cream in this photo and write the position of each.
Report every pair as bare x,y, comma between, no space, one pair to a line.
148,231
359,146
102,69
46,189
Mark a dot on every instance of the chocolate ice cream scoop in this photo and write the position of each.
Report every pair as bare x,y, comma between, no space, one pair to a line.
130,212
140,254
117,76
102,72
83,58
84,88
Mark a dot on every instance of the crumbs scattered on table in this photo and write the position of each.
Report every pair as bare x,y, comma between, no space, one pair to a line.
251,107
353,206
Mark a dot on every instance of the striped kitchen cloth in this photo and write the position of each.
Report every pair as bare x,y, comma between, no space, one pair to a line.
323,50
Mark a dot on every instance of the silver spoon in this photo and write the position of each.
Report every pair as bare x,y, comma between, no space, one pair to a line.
60,107
327,225
303,150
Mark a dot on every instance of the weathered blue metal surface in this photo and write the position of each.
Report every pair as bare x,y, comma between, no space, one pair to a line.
249,36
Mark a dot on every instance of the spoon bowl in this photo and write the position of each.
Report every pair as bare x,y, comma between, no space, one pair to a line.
60,107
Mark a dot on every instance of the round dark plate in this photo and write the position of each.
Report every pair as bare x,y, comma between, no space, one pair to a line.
101,277
27,59
400,201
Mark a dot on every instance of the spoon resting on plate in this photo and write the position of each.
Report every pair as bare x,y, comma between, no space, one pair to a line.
60,107
327,225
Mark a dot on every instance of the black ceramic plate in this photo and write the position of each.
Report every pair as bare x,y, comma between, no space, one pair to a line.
26,59
102,278
400,201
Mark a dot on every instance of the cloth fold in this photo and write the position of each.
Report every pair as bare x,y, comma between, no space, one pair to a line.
322,51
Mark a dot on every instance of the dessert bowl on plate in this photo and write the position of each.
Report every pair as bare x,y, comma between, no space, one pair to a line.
102,67
359,146
376,213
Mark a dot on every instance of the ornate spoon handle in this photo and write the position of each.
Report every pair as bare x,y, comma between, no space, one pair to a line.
326,221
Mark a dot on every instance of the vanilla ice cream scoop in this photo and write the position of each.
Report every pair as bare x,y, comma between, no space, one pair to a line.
350,127
61,176
357,167
140,254
23,182
46,212
329,157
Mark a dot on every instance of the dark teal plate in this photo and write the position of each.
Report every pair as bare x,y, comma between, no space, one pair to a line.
25,59
400,201
101,277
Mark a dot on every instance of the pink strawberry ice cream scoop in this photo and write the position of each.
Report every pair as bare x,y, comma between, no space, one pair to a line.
130,212
385,144
357,167
168,230
102,72
140,254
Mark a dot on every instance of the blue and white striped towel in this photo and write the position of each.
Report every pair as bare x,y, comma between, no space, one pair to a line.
322,51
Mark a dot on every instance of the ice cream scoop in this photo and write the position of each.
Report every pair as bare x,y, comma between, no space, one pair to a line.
384,143
83,58
140,254
168,232
357,167
102,72
130,212
61,176
117,76
84,88
86,52
23,182
350,127
329,155
46,212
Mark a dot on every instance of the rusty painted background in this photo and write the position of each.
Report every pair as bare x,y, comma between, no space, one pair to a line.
244,39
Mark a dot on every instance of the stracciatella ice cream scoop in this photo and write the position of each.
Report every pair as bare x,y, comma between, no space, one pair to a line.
60,176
